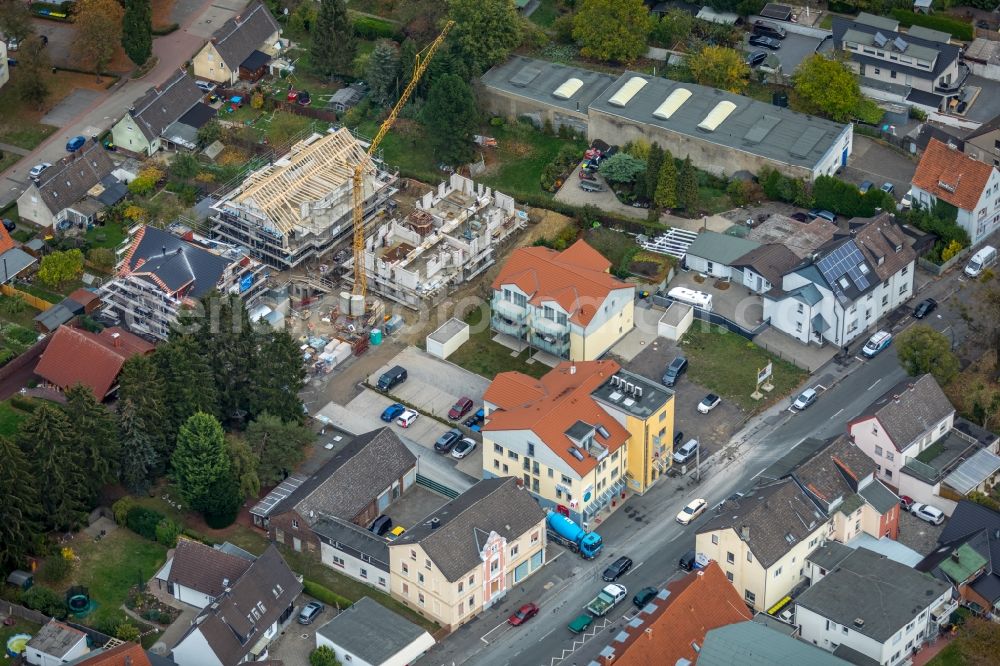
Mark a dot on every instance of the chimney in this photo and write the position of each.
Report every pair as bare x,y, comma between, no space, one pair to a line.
745,532
572,369
954,555
225,582
859,622
116,337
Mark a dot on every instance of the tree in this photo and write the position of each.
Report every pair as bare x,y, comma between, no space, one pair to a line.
210,132
141,416
15,19
672,28
277,377
451,118
323,656
615,30
278,446
622,168
188,382
826,87
407,59
146,181
382,72
59,268
96,434
20,518
687,187
98,32
653,164
333,43
921,349
485,31
978,642
137,31
33,71
666,183
243,465
185,165
200,460
720,67
44,600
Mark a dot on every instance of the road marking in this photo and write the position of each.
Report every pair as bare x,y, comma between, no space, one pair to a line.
757,474
483,637
874,385
546,634
838,413
633,569
819,387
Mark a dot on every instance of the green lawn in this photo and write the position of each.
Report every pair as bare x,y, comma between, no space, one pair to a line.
950,656
19,312
111,235
8,160
487,358
546,14
727,364
10,418
522,156
109,567
39,291
713,200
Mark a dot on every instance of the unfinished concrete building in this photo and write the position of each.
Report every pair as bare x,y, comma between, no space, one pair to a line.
450,237
297,208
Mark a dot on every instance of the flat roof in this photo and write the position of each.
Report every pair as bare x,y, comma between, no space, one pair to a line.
617,393
448,330
751,126
538,80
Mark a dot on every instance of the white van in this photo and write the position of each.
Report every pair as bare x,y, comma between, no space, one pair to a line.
698,299
980,261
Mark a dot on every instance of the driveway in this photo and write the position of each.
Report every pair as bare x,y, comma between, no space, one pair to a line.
61,37
794,49
873,161
296,641
571,193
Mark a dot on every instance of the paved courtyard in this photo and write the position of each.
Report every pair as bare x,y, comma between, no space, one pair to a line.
794,49
296,641
873,161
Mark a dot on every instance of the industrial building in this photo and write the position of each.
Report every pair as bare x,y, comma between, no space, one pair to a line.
450,237
298,207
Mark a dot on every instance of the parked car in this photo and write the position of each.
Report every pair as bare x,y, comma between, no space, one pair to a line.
678,438
888,188
9,225
805,399
37,170
644,596
931,514
686,453
905,502
588,186
768,30
407,418
694,509
460,408
876,343
447,440
675,370
523,614
205,85
756,58
391,378
581,623
825,214
688,561
75,144
924,308
380,525
464,448
708,403
865,186
766,42
617,569
641,202
310,612
392,412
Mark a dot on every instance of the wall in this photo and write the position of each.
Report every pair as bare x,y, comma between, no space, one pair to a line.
614,319
795,28
282,528
208,65
984,147
126,134
31,207
647,438
192,597
38,658
512,107
871,438
4,68
675,332
813,630
445,348
366,572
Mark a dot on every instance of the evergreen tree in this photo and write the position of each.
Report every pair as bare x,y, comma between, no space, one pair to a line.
137,30
333,43
96,434
137,461
20,520
141,399
188,382
277,377
687,187
382,73
407,62
653,165
226,337
666,184
451,118
223,502
278,445
47,439
200,460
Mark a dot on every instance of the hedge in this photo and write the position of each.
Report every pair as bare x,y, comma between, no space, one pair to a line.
326,595
958,29
368,27
143,521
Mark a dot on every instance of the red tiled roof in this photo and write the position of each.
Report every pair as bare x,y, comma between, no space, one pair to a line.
576,278
84,296
951,175
701,601
75,356
127,654
6,242
552,404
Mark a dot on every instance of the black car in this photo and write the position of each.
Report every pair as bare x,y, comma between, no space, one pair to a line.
617,569
687,561
756,58
448,440
674,371
381,525
9,224
924,308
644,596
678,438
766,42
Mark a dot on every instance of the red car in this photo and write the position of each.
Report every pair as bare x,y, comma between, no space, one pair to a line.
460,409
905,501
523,614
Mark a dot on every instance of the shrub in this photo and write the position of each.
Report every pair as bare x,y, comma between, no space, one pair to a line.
127,632
102,257
143,521
24,404
959,29
121,509
44,600
146,181
20,335
326,595
107,620
54,569
167,532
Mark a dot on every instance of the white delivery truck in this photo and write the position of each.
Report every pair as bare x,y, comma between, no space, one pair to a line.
981,260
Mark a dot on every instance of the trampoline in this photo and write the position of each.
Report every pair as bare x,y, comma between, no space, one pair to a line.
78,600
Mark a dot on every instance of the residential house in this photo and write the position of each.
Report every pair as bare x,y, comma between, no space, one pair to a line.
968,556
580,436
13,260
62,192
761,540
160,272
672,627
713,254
466,556
369,633
75,356
353,550
197,574
983,143
564,303
963,461
846,286
240,625
763,268
152,122
920,67
922,134
968,184
232,52
901,423
869,605
356,485
760,644
116,653
299,206
55,644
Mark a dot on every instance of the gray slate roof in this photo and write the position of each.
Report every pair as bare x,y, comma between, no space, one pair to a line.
65,184
242,35
946,53
829,555
777,517
463,524
909,409
204,568
720,248
12,262
352,479
771,262
835,471
884,594
176,264
347,536
370,631
56,639
753,644
161,106
879,496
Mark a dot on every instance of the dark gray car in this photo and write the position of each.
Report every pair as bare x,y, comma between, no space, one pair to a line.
310,612
674,371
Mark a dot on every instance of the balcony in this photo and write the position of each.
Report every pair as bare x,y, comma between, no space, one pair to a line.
502,324
509,310
942,614
558,346
543,325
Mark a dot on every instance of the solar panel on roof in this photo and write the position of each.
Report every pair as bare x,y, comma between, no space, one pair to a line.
900,44
880,40
845,260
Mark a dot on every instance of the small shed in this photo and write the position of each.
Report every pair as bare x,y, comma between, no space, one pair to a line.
347,98
35,247
675,322
776,12
922,6
447,338
255,66
56,316
56,643
87,298
20,579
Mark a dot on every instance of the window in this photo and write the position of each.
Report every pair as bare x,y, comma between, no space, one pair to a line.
534,485
730,558
715,539
749,596
494,566
888,473
878,450
413,555
902,288
877,70
505,469
420,598
729,576
364,574
295,524
777,572
892,73
427,565
498,449
531,449
798,327
461,586
406,569
749,556
801,308
512,455
420,578
534,537
885,299
472,602
339,561
461,608
558,493
889,455
381,581
566,480
844,630
406,589
472,581
496,464
513,551
905,270
551,472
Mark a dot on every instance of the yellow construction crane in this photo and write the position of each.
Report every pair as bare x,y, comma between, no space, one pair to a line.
419,67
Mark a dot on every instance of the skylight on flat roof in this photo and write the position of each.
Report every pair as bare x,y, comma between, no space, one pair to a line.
673,102
568,88
627,91
716,116
525,75
806,142
761,128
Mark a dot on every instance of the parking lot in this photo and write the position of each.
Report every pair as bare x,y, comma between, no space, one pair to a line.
876,163
794,49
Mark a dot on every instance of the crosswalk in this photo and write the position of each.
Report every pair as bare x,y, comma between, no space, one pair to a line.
673,242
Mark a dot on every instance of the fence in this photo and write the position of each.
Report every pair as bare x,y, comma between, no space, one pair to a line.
936,269
439,488
307,111
30,299
96,637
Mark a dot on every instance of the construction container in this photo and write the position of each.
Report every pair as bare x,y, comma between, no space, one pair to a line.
343,352
357,305
376,336
345,302
394,324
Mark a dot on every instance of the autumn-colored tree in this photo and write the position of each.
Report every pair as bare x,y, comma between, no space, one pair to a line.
720,67
615,30
59,268
826,87
98,32
978,642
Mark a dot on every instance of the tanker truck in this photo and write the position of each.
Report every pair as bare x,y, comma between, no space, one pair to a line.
567,533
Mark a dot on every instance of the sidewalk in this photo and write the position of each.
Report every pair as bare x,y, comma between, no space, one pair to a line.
6,147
